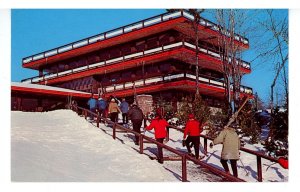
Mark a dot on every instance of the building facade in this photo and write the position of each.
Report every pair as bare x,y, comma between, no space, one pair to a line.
155,56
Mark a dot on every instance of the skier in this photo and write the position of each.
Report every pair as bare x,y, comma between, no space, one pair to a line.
159,124
124,108
193,129
231,146
92,103
135,114
102,104
113,110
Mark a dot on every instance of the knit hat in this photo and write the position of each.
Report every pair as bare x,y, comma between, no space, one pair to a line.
191,116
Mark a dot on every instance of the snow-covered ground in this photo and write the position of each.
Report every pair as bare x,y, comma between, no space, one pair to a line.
61,146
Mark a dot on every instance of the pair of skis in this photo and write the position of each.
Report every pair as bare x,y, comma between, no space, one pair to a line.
234,116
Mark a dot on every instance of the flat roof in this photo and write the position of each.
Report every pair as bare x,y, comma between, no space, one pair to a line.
92,42
45,89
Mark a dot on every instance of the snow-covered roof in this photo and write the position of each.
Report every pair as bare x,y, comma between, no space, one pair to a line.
46,89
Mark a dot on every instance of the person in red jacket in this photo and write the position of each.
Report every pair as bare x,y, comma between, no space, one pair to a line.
192,129
160,125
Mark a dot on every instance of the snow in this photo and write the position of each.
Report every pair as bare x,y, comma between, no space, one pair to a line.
45,87
61,146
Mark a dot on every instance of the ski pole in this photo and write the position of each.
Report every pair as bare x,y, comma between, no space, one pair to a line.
270,165
201,147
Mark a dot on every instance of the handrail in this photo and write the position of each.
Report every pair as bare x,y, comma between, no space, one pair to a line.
242,148
125,29
151,140
130,56
259,155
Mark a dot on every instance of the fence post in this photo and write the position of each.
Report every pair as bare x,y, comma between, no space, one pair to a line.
259,169
85,114
205,145
114,131
184,173
145,121
141,144
168,133
98,119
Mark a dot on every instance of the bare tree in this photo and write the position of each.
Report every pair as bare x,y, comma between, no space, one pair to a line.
274,48
195,35
231,22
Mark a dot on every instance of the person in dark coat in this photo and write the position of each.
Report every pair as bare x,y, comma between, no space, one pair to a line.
160,131
192,129
124,109
135,114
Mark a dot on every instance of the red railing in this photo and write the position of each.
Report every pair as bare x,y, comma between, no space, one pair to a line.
145,139
185,157
131,56
258,155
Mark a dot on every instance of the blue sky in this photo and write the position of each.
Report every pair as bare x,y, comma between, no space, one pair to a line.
34,31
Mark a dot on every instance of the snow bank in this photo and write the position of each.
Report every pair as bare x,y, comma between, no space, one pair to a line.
60,146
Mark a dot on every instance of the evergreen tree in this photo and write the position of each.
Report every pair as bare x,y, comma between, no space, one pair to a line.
248,122
198,107
217,121
277,142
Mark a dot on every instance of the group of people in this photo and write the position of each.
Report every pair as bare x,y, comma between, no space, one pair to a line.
191,137
228,137
110,108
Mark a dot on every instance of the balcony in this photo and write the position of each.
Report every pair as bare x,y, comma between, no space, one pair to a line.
160,83
127,29
163,49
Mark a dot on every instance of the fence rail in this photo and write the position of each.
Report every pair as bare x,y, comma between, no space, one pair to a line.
259,155
145,139
184,157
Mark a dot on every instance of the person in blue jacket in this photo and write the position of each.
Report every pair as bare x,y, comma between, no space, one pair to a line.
92,103
124,109
102,105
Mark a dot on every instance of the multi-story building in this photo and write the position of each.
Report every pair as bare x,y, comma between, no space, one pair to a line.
154,56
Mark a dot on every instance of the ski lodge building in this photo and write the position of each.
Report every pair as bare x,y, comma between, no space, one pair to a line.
155,56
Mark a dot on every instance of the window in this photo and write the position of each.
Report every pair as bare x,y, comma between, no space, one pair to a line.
140,46
164,39
126,50
152,43
114,53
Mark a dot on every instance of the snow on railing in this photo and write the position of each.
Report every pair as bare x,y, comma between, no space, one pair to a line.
148,81
214,54
126,29
142,53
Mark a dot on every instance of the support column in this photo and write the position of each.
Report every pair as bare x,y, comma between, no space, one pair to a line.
40,72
